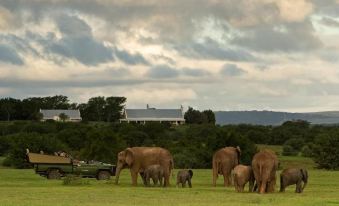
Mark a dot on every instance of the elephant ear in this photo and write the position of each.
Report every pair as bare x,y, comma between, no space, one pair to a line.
238,150
129,156
191,173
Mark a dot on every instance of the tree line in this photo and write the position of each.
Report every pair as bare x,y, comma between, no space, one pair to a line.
99,108
192,145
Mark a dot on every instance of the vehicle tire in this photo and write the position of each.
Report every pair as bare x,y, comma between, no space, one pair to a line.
54,174
104,175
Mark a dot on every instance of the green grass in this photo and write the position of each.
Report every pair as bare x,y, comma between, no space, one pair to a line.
276,148
23,187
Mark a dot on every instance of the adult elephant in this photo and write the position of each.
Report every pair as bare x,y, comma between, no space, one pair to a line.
265,165
137,159
224,160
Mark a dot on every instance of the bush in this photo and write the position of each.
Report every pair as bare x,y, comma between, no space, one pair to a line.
306,151
289,151
326,151
74,180
34,142
293,146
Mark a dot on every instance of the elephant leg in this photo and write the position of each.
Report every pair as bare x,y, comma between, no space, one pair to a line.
225,178
282,188
184,184
215,173
242,188
142,175
298,187
255,187
229,179
148,180
189,183
160,181
270,186
250,186
166,180
134,176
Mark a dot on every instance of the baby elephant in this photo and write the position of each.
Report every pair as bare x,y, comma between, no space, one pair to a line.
293,176
241,175
184,176
156,172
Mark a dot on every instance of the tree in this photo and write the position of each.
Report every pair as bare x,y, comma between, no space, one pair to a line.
102,109
193,116
63,117
8,107
38,116
325,152
113,108
210,116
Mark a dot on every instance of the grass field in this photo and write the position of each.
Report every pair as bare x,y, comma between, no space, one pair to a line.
23,187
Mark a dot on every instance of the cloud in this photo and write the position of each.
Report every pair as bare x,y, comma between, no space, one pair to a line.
73,26
160,96
214,51
232,70
162,72
329,22
5,18
131,59
294,11
78,42
284,38
85,49
194,72
9,55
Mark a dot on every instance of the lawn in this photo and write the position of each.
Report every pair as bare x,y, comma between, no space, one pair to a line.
23,187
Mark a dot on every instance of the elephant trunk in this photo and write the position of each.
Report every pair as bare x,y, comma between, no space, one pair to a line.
117,174
215,172
305,177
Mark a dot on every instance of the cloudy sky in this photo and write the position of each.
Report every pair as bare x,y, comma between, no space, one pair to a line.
279,55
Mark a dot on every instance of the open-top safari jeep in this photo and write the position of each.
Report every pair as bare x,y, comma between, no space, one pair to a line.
54,167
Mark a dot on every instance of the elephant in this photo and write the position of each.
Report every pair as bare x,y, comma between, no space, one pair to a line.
265,165
241,175
156,172
293,176
184,176
137,159
224,160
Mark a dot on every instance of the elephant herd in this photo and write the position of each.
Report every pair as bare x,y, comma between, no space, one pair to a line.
157,163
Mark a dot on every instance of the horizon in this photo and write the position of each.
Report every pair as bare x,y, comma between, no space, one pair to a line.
264,55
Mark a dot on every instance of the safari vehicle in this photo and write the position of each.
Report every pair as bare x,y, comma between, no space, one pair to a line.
55,167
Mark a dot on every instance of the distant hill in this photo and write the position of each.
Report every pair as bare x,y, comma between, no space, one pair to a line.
274,118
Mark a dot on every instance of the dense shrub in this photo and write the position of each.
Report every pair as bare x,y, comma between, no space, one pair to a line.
326,151
293,146
35,142
102,145
192,145
306,151
289,151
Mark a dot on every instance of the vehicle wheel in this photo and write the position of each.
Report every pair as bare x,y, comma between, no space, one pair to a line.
104,175
54,175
